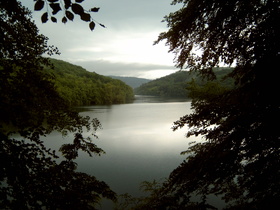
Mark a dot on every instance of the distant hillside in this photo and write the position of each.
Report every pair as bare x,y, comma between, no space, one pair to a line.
80,87
133,82
174,85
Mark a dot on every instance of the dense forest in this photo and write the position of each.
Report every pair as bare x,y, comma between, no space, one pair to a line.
133,82
176,84
80,87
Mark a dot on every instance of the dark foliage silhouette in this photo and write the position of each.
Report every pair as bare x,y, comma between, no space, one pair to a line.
70,10
239,156
31,177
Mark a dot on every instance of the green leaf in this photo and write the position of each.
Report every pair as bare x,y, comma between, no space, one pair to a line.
95,9
39,5
85,17
55,7
77,9
44,17
92,25
67,4
54,19
69,15
64,20
102,25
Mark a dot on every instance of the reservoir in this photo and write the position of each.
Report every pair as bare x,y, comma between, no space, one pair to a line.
138,140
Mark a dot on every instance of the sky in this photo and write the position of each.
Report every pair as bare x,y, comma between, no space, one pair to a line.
124,48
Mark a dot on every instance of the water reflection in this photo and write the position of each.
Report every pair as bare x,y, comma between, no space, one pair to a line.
139,142
156,99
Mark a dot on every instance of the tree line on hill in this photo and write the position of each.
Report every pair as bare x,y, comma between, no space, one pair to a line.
239,157
79,87
31,175
133,82
179,83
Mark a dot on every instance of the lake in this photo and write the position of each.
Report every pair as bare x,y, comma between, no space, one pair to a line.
138,140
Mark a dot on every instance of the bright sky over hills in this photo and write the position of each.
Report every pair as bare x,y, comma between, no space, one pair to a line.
124,48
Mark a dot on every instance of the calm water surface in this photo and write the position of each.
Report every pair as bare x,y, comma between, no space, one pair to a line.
138,140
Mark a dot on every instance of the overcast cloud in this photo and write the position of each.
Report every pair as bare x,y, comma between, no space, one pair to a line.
124,48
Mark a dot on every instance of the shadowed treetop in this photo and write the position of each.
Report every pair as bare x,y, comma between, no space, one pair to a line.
231,31
31,176
239,157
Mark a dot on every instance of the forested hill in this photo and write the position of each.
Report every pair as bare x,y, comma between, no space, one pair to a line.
174,85
80,87
133,82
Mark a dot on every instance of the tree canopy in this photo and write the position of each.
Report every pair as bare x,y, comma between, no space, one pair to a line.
241,32
31,177
79,87
239,159
176,84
